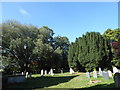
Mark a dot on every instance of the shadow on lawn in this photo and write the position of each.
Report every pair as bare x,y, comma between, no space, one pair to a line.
39,82
100,87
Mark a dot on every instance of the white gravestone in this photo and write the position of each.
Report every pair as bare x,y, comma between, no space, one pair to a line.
51,72
109,73
115,70
42,72
95,74
71,71
26,75
22,73
118,70
105,75
45,72
88,74
100,72
61,71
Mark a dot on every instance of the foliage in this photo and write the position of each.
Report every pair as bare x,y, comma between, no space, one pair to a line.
25,44
91,51
114,36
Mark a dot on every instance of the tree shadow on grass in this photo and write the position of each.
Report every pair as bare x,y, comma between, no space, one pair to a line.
40,82
100,87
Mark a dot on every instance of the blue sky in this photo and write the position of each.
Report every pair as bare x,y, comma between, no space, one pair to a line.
71,19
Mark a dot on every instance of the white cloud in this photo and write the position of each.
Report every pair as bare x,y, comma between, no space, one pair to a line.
24,12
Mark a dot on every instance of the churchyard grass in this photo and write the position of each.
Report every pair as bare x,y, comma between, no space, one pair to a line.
65,80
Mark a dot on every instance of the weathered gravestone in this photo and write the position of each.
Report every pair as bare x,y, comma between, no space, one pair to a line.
42,72
100,72
105,75
45,72
109,73
88,74
71,71
117,80
115,70
95,74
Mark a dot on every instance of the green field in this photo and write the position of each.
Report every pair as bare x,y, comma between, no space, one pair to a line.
66,80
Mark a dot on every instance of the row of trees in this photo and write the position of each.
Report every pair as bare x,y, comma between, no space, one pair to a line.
94,50
28,48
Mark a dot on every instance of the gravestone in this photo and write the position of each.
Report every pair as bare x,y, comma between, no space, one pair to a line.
22,73
42,72
118,70
109,73
61,71
88,74
71,71
115,70
100,72
117,80
26,75
51,72
95,74
45,72
105,75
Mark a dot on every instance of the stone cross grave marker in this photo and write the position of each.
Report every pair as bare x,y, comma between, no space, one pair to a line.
109,73
95,74
42,72
105,75
88,74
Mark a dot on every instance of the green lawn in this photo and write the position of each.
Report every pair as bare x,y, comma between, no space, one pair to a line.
66,80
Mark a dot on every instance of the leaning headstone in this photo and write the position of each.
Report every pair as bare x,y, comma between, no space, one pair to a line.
115,70
100,72
71,71
42,72
95,74
88,74
45,72
105,75
109,73
117,80
26,75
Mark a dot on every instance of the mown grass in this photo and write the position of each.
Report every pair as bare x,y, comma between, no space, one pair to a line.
66,80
